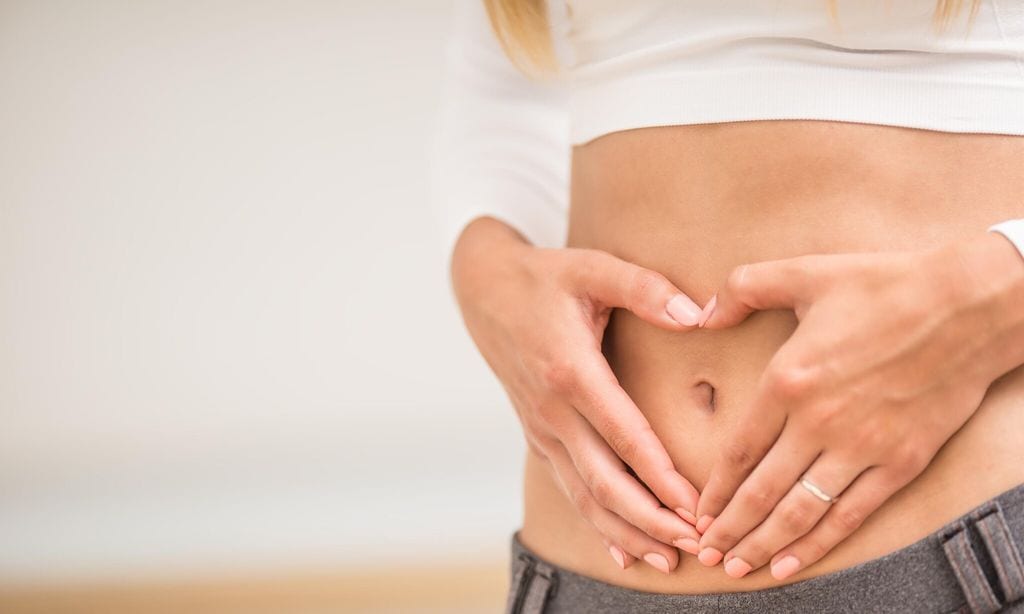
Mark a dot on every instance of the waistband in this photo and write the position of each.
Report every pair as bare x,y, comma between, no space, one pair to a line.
971,564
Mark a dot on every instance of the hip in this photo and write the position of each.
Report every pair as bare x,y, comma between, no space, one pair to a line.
970,564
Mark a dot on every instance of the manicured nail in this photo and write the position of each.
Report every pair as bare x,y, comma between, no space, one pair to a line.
737,567
688,532
683,310
785,567
704,522
707,311
620,559
709,556
687,545
657,561
686,515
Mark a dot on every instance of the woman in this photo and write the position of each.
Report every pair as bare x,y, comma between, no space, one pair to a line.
782,328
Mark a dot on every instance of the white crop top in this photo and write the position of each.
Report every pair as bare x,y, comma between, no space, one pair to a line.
503,141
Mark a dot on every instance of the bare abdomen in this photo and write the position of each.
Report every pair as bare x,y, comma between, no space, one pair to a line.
692,202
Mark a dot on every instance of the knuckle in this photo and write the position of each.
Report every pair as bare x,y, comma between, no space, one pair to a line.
874,437
738,455
910,459
849,519
645,283
603,493
756,551
813,550
561,375
544,414
916,458
727,535
714,501
624,443
583,502
649,526
790,381
757,500
796,518
736,281
827,414
536,446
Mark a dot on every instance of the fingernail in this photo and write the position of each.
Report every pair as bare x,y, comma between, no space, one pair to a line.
704,522
709,556
688,532
620,559
657,561
737,567
707,311
686,515
683,310
687,545
785,567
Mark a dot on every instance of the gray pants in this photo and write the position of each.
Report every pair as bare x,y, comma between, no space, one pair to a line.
973,564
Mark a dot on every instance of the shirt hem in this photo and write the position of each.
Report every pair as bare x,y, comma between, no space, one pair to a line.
846,95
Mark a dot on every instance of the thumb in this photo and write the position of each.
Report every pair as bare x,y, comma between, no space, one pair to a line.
773,284
613,282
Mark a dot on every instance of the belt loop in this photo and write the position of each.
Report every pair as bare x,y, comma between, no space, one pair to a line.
522,571
1006,557
980,596
542,586
534,582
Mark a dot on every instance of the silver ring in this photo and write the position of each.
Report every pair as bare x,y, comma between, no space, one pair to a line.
817,492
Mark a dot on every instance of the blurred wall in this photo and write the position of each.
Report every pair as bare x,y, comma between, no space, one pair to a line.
226,335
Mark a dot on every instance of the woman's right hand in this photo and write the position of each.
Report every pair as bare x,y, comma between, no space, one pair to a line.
538,316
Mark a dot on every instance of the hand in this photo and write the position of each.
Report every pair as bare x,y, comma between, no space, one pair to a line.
893,353
538,316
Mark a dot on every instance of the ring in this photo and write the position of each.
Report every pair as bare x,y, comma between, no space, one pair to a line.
817,492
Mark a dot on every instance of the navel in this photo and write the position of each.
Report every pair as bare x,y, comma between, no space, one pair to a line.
704,395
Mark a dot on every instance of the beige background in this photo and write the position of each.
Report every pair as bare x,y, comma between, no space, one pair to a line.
226,338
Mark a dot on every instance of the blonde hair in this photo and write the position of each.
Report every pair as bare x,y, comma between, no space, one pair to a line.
522,28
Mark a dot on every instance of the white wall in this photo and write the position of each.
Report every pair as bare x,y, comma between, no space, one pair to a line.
226,337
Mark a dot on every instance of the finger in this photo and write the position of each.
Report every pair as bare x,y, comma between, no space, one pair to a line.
558,465
752,437
794,516
759,494
650,295
867,493
773,284
617,531
623,559
616,489
612,413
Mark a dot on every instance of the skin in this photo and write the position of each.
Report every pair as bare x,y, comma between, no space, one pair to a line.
868,229
852,406
574,413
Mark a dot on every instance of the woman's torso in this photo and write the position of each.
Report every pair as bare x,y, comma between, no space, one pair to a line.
694,201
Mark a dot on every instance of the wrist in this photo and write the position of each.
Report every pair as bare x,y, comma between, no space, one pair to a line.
991,279
483,252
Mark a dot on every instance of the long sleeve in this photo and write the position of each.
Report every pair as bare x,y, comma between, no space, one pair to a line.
501,142
1013,230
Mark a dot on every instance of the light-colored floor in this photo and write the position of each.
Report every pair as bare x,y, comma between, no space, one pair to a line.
467,588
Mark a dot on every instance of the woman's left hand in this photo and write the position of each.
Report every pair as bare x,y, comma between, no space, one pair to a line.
893,353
